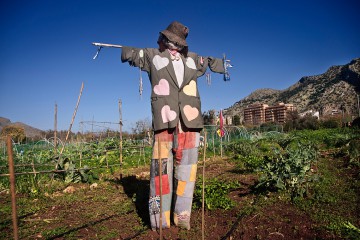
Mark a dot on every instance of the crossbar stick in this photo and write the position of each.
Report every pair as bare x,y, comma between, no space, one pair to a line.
106,45
101,45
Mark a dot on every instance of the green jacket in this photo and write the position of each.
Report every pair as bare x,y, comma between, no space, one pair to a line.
170,102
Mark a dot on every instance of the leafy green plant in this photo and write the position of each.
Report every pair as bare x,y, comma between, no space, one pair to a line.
290,171
69,173
216,194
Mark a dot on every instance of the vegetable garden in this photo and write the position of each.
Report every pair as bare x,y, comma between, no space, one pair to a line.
258,185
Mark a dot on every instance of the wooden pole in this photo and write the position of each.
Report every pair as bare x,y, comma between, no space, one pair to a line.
213,140
12,187
221,147
203,191
160,183
121,139
73,117
55,130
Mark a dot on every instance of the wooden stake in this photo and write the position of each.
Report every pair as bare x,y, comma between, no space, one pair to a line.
73,117
121,142
12,187
55,130
160,183
203,191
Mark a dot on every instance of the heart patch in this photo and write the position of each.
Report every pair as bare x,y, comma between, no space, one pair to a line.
141,53
190,112
160,62
190,89
162,88
167,114
190,63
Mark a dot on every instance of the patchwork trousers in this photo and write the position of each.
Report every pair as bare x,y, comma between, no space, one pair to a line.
179,157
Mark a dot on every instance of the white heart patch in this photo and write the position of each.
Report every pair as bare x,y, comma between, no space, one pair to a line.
141,53
160,62
190,63
162,88
191,112
167,114
190,89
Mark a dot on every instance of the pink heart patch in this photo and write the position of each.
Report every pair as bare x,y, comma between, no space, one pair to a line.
162,88
167,114
191,112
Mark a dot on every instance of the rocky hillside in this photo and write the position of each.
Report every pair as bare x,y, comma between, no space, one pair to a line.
30,132
336,89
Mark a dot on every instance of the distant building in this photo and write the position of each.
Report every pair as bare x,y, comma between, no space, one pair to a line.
260,113
255,114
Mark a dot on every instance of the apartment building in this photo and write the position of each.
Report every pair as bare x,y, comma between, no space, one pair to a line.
255,114
261,113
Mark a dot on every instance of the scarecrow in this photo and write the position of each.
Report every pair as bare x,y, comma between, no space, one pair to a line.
176,120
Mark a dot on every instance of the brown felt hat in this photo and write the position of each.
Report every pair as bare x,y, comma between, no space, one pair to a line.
176,33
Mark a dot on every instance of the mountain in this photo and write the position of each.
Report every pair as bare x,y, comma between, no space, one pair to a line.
30,132
336,89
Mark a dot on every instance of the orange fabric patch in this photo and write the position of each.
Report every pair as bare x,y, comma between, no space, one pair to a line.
164,150
167,218
193,173
181,188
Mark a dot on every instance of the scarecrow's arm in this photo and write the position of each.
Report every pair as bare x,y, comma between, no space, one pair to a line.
135,57
215,65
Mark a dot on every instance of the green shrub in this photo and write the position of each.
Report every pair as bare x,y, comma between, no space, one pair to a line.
291,170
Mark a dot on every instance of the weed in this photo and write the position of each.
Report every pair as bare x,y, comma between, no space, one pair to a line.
216,194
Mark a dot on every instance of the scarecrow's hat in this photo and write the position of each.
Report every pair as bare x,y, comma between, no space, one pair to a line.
176,33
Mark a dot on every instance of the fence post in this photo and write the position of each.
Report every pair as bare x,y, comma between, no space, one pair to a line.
12,187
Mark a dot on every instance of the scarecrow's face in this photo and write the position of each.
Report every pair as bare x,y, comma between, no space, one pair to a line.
165,43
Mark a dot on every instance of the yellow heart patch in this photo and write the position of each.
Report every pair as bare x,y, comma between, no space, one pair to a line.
190,89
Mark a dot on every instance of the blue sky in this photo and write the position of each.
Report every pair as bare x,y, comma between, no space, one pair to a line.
46,52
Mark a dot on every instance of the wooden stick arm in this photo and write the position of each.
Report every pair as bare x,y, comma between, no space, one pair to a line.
106,45
101,45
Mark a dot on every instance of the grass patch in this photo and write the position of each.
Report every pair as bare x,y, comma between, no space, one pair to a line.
333,199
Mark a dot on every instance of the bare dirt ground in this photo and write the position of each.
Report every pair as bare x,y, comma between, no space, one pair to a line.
117,209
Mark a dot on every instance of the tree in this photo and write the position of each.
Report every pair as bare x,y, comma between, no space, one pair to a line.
209,117
142,127
17,133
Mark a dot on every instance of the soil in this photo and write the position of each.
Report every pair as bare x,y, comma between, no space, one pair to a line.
117,209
